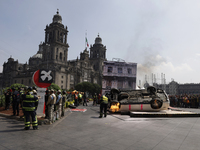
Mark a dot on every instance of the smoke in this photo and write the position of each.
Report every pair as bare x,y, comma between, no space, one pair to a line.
146,46
149,65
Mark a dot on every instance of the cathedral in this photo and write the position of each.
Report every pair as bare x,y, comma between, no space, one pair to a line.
53,55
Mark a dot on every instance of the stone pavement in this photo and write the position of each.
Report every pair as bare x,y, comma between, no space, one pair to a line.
85,131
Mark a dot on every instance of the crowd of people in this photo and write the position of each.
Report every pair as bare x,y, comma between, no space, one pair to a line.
55,103
185,101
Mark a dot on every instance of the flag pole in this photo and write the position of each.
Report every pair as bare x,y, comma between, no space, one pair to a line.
85,39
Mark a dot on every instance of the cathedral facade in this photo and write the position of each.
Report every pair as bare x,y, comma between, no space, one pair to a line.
53,55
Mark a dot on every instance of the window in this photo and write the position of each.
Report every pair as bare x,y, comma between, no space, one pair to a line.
58,36
130,84
72,78
120,84
22,81
47,37
61,81
110,69
64,38
129,71
85,74
109,83
60,56
119,70
62,77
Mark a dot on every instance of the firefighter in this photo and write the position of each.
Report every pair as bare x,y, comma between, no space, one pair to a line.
103,106
80,97
30,104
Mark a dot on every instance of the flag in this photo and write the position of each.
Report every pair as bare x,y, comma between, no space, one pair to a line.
86,42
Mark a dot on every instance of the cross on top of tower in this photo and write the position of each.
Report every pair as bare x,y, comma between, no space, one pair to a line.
57,11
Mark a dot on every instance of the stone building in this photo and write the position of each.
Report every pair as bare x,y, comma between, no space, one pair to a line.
119,74
53,55
174,88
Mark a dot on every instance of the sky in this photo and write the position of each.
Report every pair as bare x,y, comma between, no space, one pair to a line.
161,36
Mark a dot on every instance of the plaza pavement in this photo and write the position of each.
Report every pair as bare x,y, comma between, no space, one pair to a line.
85,131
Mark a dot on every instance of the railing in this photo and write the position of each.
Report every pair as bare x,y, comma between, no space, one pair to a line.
118,74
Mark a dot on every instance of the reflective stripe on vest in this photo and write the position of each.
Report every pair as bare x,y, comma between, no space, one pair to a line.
105,99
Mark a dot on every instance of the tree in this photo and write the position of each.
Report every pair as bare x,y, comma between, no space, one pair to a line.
97,88
16,86
54,86
88,87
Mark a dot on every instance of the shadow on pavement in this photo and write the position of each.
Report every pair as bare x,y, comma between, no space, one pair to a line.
95,117
14,130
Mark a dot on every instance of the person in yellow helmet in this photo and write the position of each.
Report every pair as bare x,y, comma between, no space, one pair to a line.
103,106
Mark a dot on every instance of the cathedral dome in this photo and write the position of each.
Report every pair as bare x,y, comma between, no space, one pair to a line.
57,18
38,55
98,40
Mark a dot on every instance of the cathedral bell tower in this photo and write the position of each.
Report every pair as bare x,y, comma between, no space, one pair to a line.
97,54
55,47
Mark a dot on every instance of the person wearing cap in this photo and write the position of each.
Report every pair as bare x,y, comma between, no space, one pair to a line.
15,101
30,104
50,103
58,105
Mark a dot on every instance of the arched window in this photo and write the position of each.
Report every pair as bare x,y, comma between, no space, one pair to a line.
47,37
61,56
58,36
64,36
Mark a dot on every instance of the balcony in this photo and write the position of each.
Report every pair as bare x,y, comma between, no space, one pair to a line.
118,74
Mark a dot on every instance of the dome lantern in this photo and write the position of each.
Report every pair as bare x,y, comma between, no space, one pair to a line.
98,40
57,18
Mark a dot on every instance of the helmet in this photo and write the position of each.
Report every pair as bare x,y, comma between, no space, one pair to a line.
34,88
29,89
25,88
34,92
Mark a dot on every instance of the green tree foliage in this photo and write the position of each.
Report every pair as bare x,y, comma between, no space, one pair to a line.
54,86
97,88
2,97
88,87
16,86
